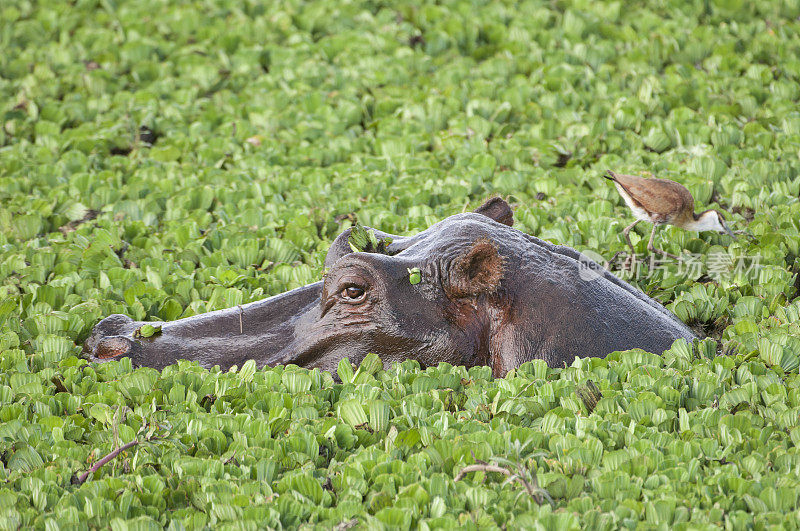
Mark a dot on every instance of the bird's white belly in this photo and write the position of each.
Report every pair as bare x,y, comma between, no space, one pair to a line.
638,211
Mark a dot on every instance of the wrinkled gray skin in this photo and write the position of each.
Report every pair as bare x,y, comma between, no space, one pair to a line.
489,295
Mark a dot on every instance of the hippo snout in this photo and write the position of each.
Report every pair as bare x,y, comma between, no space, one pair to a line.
110,339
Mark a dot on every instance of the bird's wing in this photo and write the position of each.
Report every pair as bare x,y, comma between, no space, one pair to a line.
657,196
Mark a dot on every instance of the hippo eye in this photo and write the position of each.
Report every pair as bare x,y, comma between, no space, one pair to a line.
353,294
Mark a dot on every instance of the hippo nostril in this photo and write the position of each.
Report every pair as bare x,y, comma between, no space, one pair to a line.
112,347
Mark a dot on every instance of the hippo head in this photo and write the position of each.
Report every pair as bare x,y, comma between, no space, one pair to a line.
369,304
487,295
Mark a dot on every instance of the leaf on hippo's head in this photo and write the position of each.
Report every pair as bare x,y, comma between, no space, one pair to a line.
364,240
414,275
383,243
359,239
147,330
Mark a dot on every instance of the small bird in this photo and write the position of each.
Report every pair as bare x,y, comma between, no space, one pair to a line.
663,202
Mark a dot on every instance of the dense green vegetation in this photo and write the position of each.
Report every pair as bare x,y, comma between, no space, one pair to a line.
161,159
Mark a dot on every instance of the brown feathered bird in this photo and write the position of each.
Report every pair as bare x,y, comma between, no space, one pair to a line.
663,202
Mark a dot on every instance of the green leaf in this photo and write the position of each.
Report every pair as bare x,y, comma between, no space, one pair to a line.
394,518
345,370
147,330
408,438
247,371
296,382
379,415
102,413
25,459
414,275
369,366
657,140
6,307
351,412
165,153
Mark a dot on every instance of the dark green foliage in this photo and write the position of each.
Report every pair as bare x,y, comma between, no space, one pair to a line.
163,159
675,439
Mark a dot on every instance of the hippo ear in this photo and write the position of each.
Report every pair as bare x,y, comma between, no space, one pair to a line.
498,210
477,271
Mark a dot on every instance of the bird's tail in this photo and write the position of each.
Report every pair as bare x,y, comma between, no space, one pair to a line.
610,175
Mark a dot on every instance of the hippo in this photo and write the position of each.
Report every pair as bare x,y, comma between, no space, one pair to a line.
484,294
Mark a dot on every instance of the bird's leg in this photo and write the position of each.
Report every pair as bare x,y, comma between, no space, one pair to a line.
607,263
746,233
652,248
632,258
